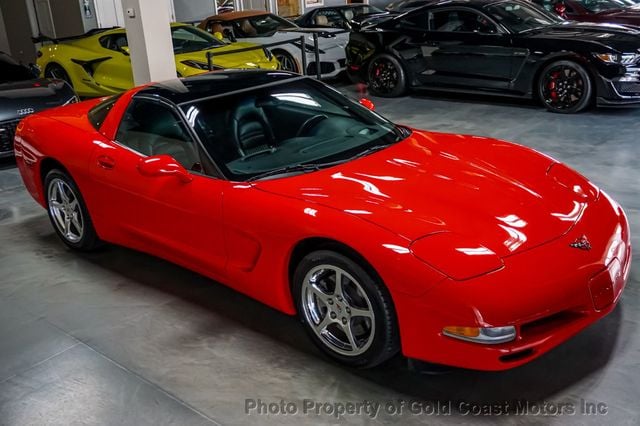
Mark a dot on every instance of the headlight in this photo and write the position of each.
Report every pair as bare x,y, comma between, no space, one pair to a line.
455,255
615,58
200,65
485,335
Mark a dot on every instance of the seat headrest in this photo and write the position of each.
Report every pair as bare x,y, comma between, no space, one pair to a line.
321,20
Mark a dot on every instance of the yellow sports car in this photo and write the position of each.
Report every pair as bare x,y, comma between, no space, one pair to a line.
98,63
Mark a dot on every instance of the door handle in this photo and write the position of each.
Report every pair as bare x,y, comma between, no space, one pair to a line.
106,162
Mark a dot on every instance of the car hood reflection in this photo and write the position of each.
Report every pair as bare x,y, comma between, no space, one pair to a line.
495,192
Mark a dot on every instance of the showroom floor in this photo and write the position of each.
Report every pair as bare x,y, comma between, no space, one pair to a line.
121,338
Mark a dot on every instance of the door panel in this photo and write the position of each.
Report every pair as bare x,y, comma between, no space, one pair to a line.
467,59
159,214
181,222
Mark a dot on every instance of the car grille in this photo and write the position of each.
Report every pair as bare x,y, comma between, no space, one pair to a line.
7,132
629,84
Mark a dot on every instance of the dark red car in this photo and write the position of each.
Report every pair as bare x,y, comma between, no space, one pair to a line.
625,12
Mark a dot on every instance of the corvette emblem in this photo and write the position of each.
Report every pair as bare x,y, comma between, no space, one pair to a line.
581,243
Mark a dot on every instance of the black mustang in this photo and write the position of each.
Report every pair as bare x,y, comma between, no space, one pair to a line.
507,47
23,93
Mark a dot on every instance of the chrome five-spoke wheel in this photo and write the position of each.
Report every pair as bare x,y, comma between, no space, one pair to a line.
68,213
65,210
338,309
345,308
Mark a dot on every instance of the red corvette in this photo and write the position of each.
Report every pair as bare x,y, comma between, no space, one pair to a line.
454,249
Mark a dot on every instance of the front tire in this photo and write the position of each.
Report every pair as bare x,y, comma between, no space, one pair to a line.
68,212
565,87
347,313
386,76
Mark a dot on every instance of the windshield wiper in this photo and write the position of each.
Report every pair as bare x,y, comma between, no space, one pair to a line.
369,151
303,168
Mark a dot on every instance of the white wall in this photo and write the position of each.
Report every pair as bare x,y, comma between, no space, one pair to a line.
193,10
109,13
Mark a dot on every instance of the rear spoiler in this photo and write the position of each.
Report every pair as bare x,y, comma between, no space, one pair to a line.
41,38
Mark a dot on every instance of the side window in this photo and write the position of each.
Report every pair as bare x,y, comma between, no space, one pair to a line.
151,128
416,21
464,21
328,18
114,42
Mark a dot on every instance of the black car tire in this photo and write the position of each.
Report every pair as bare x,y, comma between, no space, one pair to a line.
85,239
565,87
56,71
287,62
376,336
386,77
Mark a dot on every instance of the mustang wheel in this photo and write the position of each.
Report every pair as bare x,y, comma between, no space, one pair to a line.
386,76
347,313
68,212
287,62
565,87
56,71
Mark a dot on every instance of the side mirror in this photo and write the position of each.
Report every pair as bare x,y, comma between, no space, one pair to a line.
218,35
163,165
125,50
367,104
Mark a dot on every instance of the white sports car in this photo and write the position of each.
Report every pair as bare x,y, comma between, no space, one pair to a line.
262,27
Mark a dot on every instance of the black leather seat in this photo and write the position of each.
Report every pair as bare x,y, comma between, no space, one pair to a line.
250,129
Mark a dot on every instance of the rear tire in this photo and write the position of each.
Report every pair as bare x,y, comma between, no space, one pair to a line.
286,61
68,212
386,76
565,87
56,71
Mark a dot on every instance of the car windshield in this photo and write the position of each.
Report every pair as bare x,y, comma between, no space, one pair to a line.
282,128
191,39
519,18
261,26
596,6
11,70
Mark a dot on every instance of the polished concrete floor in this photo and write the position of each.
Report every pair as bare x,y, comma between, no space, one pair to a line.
121,338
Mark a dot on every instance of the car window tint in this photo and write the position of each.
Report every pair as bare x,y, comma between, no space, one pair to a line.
99,113
460,21
114,41
152,128
260,26
417,20
328,18
260,130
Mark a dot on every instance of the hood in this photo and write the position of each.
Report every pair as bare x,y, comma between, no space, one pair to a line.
620,37
18,99
493,192
247,60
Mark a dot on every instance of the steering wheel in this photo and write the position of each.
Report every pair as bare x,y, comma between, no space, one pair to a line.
310,124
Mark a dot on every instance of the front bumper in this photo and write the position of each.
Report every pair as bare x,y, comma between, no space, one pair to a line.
621,90
549,293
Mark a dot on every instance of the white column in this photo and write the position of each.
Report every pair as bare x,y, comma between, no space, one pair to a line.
149,35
